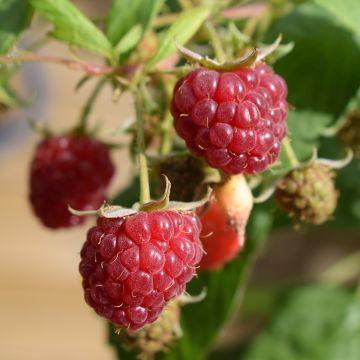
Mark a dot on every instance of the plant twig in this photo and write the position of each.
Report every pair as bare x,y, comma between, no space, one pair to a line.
165,146
143,169
90,69
88,106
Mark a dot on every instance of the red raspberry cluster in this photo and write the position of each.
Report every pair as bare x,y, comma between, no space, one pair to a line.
67,171
235,120
132,266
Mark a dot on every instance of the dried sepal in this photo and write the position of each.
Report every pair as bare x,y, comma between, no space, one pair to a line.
106,210
188,206
161,203
193,57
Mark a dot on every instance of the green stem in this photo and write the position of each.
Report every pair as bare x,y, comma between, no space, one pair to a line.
289,152
143,169
86,110
166,126
215,42
147,99
165,146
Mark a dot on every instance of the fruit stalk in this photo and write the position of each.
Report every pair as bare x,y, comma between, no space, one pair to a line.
143,169
289,152
88,106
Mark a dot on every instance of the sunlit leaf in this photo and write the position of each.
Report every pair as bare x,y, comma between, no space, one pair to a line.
73,27
181,31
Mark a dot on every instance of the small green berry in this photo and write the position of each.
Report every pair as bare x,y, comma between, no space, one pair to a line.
154,337
308,194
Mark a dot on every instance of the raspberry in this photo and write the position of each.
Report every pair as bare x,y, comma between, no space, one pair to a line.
154,337
68,171
234,120
132,266
224,221
308,194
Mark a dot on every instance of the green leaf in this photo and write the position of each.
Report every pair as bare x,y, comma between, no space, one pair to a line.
129,40
345,343
347,12
201,322
302,138
124,16
317,323
320,69
181,31
73,27
15,15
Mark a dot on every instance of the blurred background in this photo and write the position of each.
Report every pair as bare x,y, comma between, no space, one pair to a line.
42,311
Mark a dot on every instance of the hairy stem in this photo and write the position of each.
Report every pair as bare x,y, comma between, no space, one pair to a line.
166,126
88,106
289,152
90,69
165,146
143,169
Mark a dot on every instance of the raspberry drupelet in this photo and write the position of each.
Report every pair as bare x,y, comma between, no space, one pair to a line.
68,171
235,120
132,266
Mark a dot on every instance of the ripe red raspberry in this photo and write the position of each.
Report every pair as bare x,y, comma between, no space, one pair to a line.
68,171
235,120
132,266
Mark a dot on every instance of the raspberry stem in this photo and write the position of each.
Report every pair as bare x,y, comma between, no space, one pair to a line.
143,169
289,153
165,146
88,106
166,126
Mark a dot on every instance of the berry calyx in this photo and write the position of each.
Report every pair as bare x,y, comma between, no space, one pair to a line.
132,266
234,120
308,194
224,222
68,171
